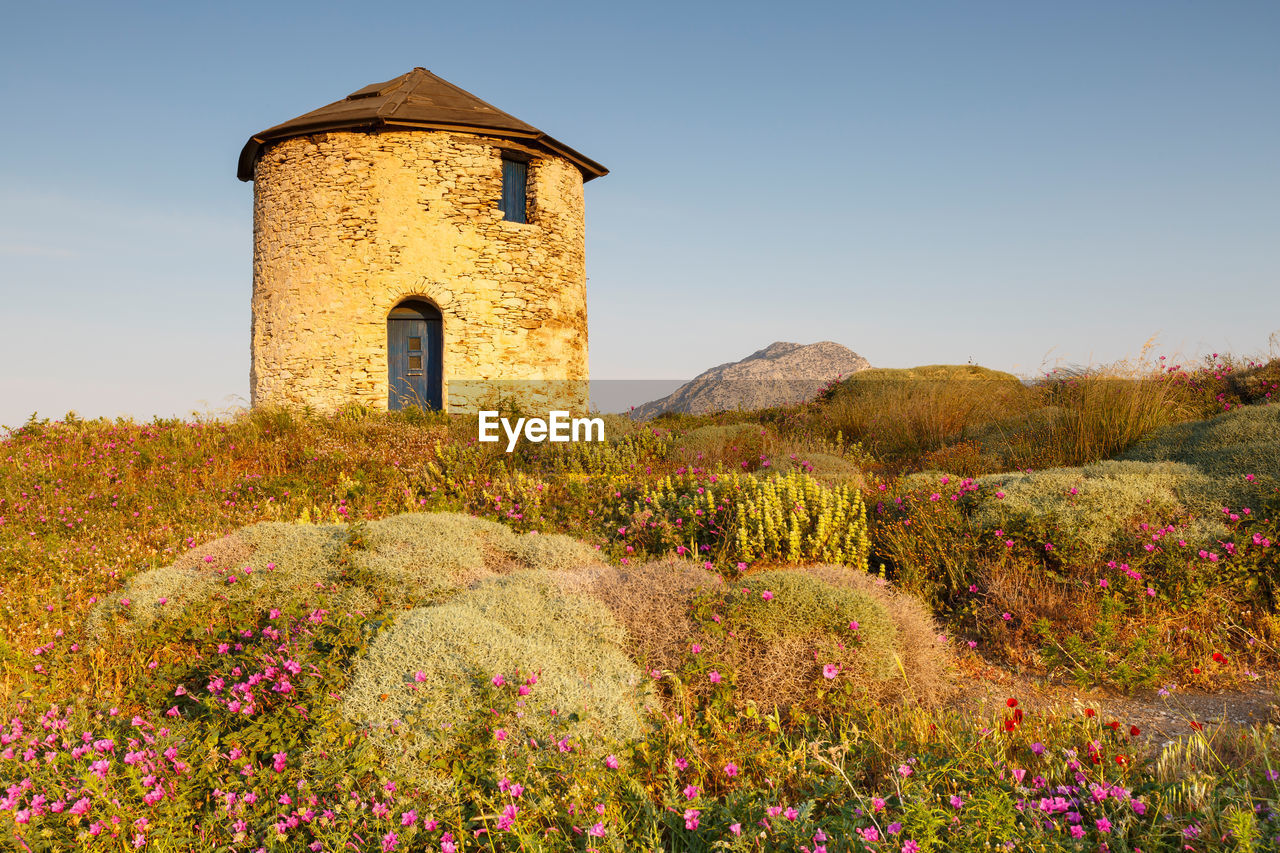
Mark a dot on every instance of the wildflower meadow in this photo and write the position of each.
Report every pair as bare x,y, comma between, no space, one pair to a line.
364,631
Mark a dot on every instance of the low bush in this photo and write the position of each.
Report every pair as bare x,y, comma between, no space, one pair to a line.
424,679
1237,452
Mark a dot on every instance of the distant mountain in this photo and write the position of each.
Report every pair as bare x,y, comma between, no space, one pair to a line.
780,374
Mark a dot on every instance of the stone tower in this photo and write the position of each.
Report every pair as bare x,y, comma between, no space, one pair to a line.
414,244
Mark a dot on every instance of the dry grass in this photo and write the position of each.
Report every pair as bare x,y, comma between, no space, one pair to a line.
651,601
895,656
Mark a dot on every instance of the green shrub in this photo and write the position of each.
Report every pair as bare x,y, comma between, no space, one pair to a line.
412,557
272,562
426,555
1238,451
1090,511
423,678
803,638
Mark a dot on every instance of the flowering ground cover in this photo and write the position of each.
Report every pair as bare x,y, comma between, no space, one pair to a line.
367,631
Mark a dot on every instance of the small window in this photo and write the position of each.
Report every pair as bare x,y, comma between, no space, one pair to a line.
515,178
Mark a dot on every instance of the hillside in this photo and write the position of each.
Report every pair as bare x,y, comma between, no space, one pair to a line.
778,375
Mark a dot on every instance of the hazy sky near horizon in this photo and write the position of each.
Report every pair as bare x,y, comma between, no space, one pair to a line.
1010,183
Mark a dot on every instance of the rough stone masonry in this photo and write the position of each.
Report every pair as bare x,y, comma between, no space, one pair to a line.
347,224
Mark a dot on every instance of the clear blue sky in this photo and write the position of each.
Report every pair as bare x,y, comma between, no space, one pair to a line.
1012,183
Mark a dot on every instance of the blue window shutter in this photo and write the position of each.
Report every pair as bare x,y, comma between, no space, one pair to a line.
515,177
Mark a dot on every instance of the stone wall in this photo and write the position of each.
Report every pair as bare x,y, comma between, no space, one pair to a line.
348,225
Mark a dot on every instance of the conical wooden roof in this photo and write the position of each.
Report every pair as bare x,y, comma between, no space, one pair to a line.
418,100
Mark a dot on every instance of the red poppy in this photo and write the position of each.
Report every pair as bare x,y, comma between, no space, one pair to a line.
1134,731
1219,657
1114,725
1197,726
1120,759
1010,725
1089,712
1011,702
1195,670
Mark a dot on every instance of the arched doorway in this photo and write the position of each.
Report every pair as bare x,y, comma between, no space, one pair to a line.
414,350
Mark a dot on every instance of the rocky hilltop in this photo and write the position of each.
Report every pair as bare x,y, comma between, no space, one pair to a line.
780,374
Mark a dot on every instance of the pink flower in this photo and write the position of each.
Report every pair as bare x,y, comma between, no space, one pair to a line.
691,818
409,818
508,817
500,734
904,770
791,814
498,680
389,842
956,802
281,760
714,676
691,792
767,595
596,830
611,761
731,769
830,671
735,828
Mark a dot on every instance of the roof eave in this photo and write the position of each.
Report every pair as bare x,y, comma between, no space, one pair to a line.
253,149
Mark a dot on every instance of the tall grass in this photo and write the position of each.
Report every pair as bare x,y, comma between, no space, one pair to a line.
974,421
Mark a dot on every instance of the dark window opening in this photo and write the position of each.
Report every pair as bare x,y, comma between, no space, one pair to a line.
515,181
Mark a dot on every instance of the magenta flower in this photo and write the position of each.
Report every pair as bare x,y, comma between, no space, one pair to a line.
731,769
904,770
767,595
830,671
714,676
691,818
956,802
596,830
611,761
791,814
690,792
735,828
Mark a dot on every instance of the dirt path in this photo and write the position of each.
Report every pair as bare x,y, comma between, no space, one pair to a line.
1161,718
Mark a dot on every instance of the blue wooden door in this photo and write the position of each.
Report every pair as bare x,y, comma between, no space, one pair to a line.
414,349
